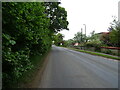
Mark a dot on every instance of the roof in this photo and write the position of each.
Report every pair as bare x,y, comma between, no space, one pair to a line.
104,33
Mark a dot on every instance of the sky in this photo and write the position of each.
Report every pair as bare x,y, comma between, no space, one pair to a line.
96,14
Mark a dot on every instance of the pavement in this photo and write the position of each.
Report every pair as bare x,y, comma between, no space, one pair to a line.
71,69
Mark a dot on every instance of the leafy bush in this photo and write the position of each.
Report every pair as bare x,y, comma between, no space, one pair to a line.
25,33
28,29
94,44
108,51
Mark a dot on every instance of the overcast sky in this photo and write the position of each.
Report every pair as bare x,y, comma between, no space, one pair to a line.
96,14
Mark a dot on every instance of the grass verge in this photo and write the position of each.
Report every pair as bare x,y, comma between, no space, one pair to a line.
95,53
29,76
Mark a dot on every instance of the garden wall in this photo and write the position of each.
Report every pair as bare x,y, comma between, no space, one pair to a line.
107,50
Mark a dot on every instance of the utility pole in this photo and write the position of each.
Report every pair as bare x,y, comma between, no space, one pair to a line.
85,32
81,34
119,11
81,37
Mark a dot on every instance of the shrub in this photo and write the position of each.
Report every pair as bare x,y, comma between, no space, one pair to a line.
108,51
25,33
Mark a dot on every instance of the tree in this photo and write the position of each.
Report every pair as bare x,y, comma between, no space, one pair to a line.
115,33
95,37
79,37
70,42
93,41
28,30
57,16
58,39
105,39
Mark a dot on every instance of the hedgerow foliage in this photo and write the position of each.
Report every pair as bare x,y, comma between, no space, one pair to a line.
28,30
25,33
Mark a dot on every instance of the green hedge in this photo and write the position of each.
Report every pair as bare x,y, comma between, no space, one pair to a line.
25,33
28,29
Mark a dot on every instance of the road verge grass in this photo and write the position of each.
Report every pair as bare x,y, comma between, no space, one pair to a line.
95,53
29,76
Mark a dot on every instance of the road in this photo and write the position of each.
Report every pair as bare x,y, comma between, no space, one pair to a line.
71,69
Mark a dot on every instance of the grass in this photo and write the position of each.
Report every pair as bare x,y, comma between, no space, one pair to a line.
95,53
28,76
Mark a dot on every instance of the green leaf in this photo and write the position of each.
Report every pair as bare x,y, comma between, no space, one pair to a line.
12,42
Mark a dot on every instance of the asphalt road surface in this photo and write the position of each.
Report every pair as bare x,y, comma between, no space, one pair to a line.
71,69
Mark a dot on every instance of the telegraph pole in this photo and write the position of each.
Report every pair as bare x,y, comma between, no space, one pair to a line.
81,34
119,11
85,32
81,37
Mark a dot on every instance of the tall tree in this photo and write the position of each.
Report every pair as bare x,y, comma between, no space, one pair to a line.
105,39
58,39
57,16
115,33
27,31
70,42
79,37
94,37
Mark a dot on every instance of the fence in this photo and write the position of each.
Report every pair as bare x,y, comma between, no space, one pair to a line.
107,50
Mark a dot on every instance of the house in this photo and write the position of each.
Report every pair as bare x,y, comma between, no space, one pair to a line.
76,44
101,33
